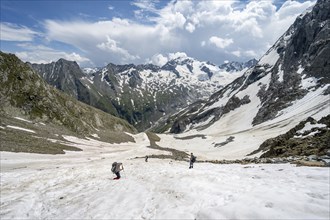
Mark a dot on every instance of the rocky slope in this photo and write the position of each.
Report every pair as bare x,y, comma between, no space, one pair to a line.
24,94
309,137
141,94
289,84
295,68
68,77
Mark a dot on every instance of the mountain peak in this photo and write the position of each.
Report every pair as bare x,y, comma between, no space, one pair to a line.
238,66
290,82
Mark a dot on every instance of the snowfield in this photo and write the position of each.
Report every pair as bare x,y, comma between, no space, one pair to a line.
237,125
79,185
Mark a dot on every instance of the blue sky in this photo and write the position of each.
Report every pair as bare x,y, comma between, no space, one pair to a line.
94,33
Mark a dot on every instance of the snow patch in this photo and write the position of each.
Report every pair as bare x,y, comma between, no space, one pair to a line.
308,126
307,83
104,71
270,58
22,119
95,135
280,73
300,70
19,128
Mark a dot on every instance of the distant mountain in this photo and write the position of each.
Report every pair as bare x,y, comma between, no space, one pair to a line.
90,71
238,66
68,77
290,83
63,74
141,94
24,92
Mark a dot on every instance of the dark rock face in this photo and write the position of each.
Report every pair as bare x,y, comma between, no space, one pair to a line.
69,78
62,74
171,66
234,102
208,71
279,77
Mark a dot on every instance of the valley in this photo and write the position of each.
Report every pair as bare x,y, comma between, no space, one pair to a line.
260,129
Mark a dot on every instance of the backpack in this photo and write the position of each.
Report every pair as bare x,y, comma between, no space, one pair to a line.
113,168
193,159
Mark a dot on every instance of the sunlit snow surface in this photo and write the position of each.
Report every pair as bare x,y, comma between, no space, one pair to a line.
79,185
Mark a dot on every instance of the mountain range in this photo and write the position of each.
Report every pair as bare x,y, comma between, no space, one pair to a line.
289,84
141,94
255,128
258,108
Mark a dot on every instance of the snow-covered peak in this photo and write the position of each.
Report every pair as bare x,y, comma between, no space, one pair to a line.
235,66
165,89
90,71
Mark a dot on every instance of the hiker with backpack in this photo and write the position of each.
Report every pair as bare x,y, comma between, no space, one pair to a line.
192,160
116,168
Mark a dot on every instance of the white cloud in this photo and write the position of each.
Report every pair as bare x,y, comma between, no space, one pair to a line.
75,57
43,54
110,7
250,26
159,59
236,53
190,27
147,5
199,28
144,8
221,42
176,55
111,46
250,53
171,19
13,32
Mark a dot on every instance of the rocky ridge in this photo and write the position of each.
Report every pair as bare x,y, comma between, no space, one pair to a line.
141,94
68,77
295,68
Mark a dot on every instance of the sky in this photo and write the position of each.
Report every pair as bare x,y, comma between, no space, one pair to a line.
95,33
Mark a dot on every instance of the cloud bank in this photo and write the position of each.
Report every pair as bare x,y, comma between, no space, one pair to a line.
207,30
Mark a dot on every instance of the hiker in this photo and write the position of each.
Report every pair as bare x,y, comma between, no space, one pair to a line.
146,158
116,168
192,160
